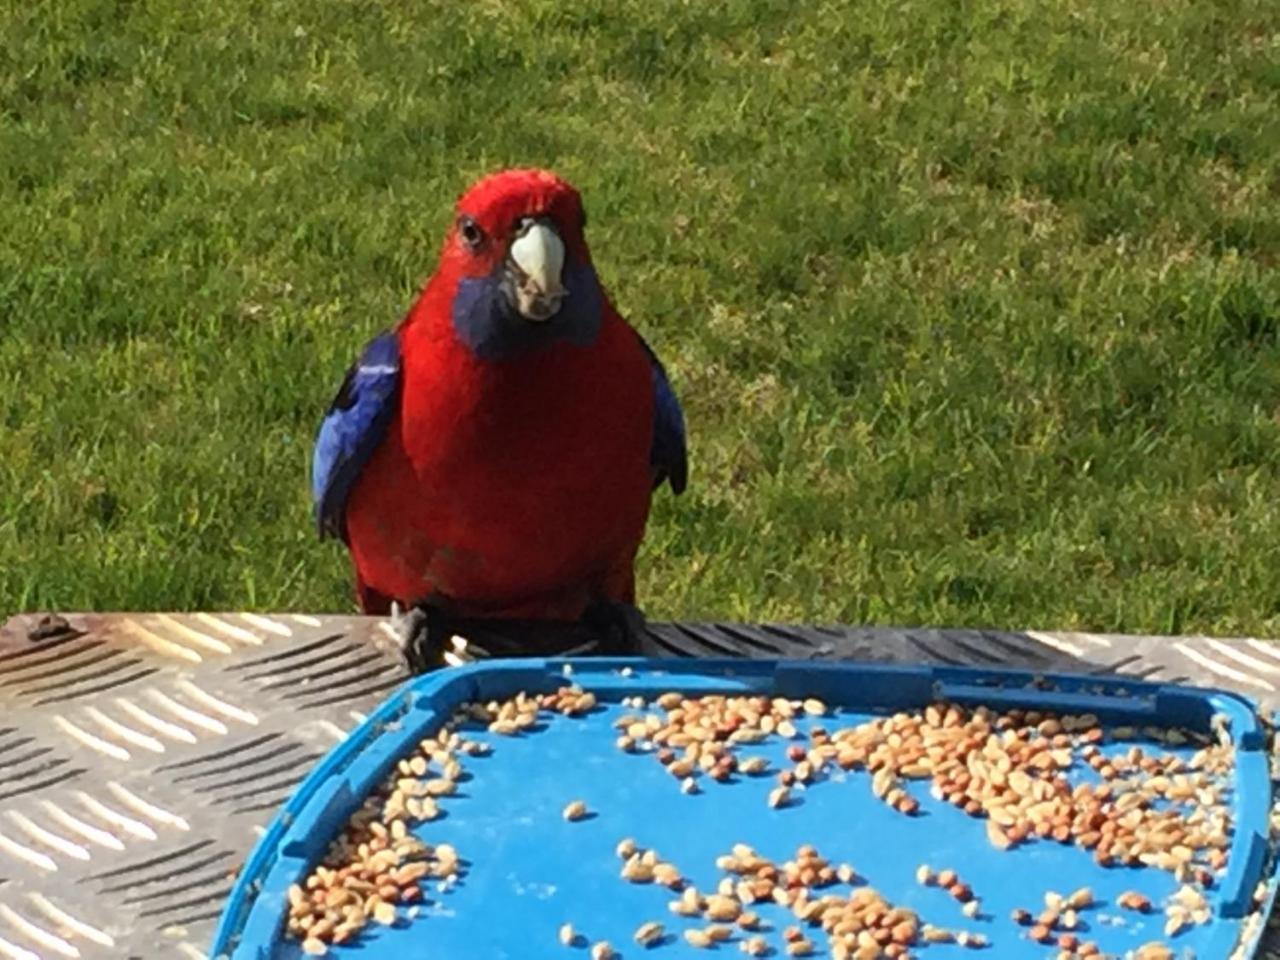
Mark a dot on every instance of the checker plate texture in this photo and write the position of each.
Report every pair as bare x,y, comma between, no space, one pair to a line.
141,755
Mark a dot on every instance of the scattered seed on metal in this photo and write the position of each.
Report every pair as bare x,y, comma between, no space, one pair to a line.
575,810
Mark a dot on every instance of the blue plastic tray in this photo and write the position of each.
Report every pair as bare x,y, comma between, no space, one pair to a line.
529,871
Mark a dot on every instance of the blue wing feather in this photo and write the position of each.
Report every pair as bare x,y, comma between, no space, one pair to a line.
668,456
353,426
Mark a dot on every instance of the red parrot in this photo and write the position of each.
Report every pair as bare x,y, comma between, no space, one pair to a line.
494,455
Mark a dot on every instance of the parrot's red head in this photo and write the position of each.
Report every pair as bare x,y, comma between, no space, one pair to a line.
517,265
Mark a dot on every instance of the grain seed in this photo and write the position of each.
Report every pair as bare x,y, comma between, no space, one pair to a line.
649,933
698,938
1080,899
722,908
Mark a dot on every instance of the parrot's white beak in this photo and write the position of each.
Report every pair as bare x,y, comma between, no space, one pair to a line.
537,255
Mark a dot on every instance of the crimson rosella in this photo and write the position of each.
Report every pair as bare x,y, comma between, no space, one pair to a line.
494,455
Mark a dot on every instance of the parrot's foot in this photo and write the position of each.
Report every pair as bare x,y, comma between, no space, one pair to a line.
621,627
428,642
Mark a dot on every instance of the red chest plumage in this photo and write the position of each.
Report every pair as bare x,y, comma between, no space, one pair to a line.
518,487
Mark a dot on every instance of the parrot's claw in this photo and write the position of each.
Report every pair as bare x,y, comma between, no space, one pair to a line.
428,641
621,627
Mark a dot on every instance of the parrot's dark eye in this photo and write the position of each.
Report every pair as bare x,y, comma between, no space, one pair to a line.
470,232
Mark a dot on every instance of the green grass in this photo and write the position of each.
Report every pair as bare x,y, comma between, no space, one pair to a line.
974,306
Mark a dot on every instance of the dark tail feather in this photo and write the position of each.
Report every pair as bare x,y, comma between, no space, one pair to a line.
372,603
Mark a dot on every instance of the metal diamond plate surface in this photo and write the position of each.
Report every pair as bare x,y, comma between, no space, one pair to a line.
141,755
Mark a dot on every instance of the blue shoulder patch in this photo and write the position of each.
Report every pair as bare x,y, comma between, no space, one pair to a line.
668,456
353,426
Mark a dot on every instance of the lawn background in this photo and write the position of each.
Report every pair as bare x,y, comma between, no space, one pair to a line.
973,306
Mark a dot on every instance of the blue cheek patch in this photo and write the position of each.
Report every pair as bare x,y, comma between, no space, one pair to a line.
490,327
